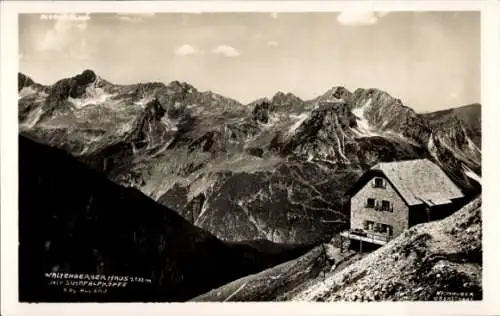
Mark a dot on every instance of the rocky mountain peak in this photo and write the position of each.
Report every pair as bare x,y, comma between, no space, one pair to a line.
23,81
336,93
376,98
338,109
281,99
146,89
375,95
181,87
387,113
262,109
86,77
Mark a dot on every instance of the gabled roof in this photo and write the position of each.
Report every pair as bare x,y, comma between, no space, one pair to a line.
420,181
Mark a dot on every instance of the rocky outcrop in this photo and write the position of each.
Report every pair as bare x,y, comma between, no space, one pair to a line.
387,113
23,81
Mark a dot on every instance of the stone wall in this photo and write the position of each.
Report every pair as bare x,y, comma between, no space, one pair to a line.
398,218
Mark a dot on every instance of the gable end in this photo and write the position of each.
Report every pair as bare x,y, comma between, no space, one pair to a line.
366,177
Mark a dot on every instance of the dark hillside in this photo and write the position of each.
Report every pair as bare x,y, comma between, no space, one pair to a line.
73,220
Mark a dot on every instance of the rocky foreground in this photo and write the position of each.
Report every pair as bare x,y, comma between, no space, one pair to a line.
433,261
430,261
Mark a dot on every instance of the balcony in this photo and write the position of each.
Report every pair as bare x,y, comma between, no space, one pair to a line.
371,237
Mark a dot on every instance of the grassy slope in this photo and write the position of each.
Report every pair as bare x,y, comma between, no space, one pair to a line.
269,284
444,255
281,282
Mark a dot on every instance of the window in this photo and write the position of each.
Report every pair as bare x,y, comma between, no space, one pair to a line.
386,206
368,225
370,203
379,183
388,230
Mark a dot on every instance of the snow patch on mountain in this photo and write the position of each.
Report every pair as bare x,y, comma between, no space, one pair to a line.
94,96
144,101
32,119
29,91
273,120
471,145
457,152
299,119
471,174
170,124
363,127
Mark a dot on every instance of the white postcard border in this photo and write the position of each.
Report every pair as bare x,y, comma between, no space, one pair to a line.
490,74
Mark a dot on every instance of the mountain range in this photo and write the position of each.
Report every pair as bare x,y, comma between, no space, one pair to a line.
275,169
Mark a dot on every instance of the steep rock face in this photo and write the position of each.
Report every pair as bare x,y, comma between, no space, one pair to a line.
31,97
386,113
280,205
72,220
442,134
335,94
469,117
335,134
262,110
287,102
324,133
152,129
438,257
23,81
280,102
203,154
459,131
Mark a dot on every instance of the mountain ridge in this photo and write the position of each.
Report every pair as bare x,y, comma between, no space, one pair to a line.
342,91
276,168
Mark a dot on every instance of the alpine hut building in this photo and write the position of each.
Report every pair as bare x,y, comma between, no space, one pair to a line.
393,196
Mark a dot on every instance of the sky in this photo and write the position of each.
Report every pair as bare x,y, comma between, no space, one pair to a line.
429,60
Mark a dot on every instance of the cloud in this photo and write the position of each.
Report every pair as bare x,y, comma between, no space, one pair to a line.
135,17
274,15
273,44
226,51
358,18
66,37
68,17
185,50
257,36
